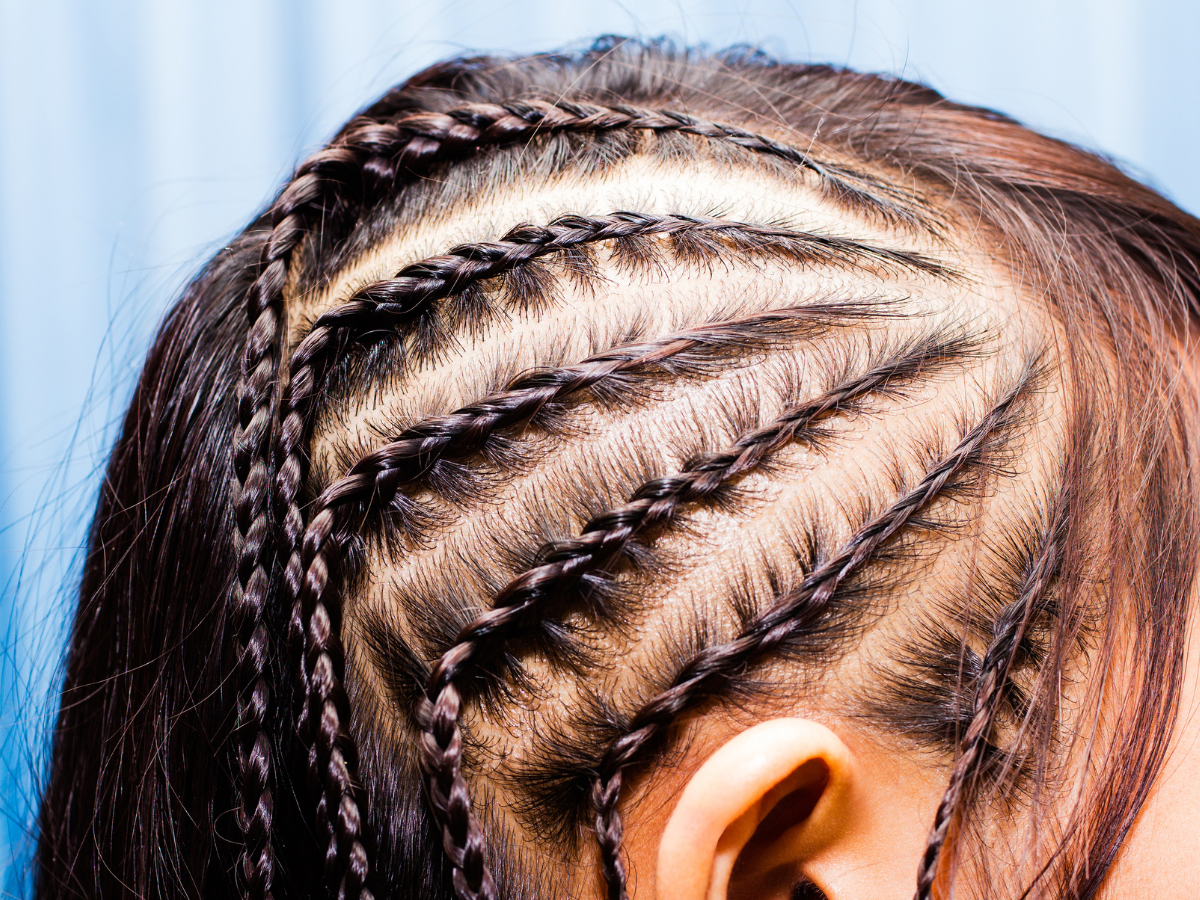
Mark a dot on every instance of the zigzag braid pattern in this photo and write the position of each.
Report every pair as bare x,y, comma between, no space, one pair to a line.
1010,630
705,673
379,475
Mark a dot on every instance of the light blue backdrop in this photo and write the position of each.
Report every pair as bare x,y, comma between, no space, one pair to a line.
137,135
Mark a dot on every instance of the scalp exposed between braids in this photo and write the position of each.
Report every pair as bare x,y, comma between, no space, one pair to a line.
431,455
383,152
314,625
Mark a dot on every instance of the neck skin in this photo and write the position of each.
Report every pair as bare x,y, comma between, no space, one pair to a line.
1161,855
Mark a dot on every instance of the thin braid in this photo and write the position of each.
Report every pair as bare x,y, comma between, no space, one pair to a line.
450,797
251,589
302,200
1009,632
411,143
380,475
527,597
395,300
333,753
379,153
710,668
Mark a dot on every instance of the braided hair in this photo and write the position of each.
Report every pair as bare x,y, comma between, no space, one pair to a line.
328,803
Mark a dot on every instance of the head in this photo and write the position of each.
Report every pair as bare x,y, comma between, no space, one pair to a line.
645,473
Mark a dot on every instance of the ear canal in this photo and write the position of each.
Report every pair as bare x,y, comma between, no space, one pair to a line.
735,822
788,806
792,802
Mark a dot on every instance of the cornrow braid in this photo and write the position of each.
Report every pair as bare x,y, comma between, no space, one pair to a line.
370,156
1009,631
707,670
378,477
394,301
411,143
397,300
528,598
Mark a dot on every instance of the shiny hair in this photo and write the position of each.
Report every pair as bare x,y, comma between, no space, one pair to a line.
211,728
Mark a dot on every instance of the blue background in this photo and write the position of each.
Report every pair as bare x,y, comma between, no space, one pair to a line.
136,136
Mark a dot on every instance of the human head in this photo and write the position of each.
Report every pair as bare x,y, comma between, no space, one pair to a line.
855,416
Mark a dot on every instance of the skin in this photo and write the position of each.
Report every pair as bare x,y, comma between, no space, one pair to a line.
1150,866
861,839
690,831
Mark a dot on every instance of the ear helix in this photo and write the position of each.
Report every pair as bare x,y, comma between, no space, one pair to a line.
747,800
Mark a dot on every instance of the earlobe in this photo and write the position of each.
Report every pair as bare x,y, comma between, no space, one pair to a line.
745,803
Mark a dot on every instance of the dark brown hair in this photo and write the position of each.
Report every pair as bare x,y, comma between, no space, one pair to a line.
206,743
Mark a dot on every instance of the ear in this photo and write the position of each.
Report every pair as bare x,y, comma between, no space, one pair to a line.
765,800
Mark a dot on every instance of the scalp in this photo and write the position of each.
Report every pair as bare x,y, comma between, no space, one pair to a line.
693,585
